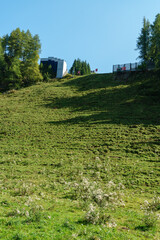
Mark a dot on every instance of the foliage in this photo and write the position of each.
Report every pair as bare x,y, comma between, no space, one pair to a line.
150,216
67,76
3,65
19,59
99,202
80,67
143,41
148,43
155,41
47,72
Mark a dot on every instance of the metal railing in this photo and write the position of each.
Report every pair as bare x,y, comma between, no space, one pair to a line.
126,67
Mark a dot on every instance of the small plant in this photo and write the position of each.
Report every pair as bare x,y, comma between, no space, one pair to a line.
17,236
96,200
33,213
150,215
25,189
96,215
150,219
68,225
93,215
67,76
155,204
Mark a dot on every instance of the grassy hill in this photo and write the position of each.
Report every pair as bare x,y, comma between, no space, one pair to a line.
65,140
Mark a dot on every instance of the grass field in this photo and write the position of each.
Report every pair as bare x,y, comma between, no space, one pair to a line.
63,140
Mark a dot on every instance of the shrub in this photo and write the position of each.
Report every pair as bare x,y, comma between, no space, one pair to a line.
150,216
97,201
67,76
150,219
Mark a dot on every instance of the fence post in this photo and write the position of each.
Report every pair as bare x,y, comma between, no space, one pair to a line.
130,66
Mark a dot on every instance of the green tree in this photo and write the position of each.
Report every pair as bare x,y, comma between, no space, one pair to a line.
155,41
88,69
143,42
80,67
47,72
13,78
21,53
2,65
14,44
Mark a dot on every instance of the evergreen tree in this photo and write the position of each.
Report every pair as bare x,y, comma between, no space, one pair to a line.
155,41
143,41
88,69
2,65
80,67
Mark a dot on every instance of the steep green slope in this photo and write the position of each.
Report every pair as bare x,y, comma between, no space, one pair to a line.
55,134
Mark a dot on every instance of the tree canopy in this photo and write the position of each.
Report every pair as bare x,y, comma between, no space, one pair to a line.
155,41
148,42
80,67
19,54
143,41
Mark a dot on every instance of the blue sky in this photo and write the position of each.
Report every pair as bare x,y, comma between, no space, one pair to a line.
102,32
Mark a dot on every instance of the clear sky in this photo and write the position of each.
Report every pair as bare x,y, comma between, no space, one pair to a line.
102,32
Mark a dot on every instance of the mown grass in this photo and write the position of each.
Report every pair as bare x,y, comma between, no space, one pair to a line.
96,127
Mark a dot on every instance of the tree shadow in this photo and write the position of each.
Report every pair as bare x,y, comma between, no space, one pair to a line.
94,81
117,103
142,228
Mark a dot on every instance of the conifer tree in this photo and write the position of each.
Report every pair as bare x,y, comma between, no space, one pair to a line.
88,69
80,67
143,42
155,41
2,65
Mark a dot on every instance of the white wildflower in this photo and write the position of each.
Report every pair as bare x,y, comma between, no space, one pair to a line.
146,202
112,225
98,195
121,186
74,235
110,184
27,214
18,211
92,215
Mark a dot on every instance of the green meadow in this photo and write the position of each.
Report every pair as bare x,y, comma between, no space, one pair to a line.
63,142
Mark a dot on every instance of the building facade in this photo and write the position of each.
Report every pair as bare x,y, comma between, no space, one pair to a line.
59,66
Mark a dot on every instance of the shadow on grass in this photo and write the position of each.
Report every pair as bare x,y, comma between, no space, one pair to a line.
119,102
143,228
94,81
83,222
109,118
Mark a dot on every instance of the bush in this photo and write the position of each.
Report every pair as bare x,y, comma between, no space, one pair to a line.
67,76
150,216
96,201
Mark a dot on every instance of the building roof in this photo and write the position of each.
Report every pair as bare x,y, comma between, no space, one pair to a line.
52,59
